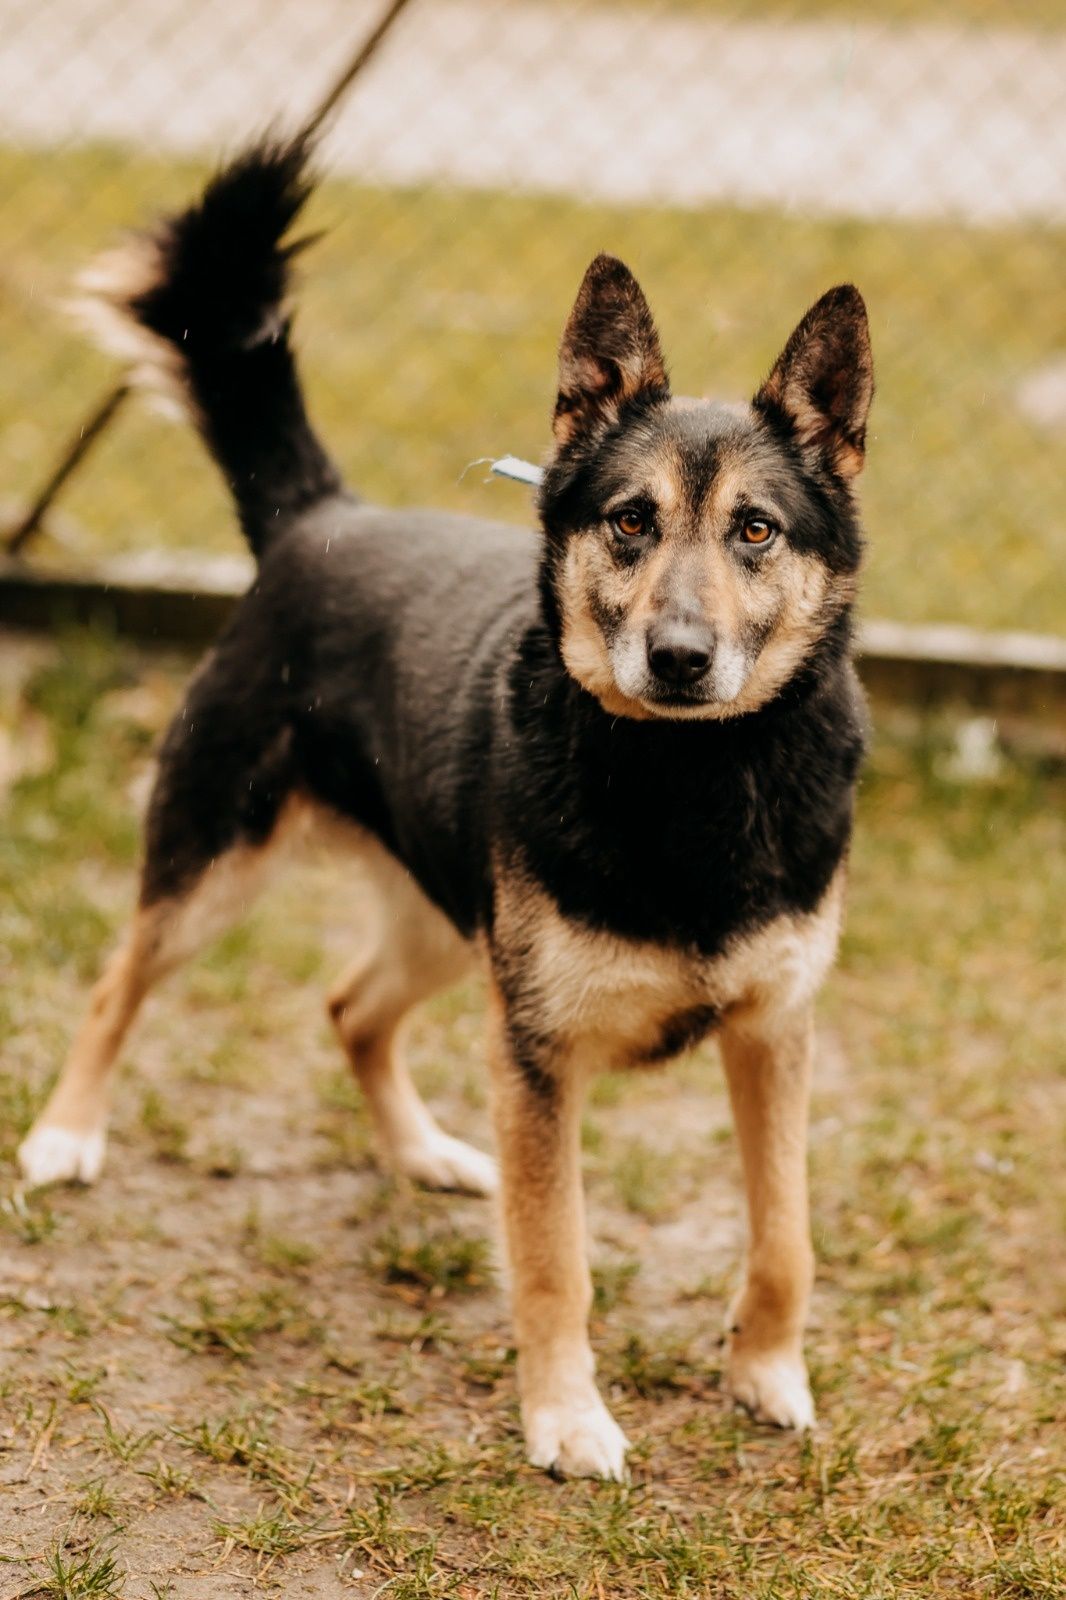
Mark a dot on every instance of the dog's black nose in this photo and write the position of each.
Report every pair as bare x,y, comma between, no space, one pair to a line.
679,652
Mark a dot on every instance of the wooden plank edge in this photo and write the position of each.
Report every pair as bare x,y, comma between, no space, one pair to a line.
186,600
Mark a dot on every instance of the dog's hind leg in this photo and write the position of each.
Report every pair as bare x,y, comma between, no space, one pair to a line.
68,1138
411,951
67,1141
767,1059
218,809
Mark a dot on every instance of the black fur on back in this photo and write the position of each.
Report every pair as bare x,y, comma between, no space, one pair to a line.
220,274
404,668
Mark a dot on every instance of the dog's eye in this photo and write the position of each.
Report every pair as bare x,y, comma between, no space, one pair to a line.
758,531
631,523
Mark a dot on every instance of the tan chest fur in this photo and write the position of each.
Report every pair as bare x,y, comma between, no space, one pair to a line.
618,999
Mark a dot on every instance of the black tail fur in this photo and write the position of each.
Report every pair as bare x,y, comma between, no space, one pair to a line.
209,287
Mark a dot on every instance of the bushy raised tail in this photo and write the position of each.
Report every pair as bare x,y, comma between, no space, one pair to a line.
198,305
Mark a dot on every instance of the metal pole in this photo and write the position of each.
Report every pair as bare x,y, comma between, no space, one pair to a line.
77,449
360,59
99,418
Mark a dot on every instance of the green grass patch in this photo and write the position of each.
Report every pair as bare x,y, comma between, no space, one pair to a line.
233,1324
429,322
91,1575
441,1262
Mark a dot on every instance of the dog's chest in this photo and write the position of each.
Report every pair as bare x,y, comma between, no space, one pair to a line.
680,837
631,1001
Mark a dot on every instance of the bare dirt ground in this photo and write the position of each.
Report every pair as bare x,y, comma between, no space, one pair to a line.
246,1360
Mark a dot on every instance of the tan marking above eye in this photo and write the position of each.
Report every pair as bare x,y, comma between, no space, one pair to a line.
758,531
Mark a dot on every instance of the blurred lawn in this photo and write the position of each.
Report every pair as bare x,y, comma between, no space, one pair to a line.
429,321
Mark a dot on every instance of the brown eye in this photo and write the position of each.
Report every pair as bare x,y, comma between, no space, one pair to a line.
758,531
631,523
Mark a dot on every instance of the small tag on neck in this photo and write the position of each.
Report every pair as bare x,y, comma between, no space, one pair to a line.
518,470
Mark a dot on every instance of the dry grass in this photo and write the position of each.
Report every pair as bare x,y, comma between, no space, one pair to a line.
246,1360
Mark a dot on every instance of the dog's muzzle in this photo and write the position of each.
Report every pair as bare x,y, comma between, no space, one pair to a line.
679,652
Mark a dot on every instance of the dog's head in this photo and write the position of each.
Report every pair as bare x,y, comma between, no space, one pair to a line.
697,553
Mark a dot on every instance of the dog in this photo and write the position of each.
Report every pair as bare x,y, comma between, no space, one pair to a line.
614,760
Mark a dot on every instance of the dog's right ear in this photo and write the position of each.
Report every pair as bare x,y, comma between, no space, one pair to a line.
610,352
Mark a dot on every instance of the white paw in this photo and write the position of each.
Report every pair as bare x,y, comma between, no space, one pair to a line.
441,1162
773,1388
579,1440
59,1155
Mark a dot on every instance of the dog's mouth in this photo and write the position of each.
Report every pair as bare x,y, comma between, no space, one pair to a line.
698,694
679,703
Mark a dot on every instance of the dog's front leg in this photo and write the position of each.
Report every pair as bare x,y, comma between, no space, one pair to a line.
537,1096
768,1065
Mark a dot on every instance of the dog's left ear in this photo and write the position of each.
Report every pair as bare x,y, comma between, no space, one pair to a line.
610,352
824,380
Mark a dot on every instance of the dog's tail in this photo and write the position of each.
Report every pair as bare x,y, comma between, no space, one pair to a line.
198,305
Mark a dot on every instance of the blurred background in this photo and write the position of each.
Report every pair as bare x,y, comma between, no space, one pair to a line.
742,157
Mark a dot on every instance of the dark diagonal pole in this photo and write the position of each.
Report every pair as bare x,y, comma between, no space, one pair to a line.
102,414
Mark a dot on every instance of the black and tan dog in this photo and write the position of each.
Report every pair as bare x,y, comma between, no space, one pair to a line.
615,760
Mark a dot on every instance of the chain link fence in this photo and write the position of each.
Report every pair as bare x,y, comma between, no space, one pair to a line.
741,157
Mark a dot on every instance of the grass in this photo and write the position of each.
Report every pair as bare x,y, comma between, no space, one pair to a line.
233,1441
441,1264
168,1133
233,1325
429,321
95,1498
269,1533
280,1377
92,1575
646,1180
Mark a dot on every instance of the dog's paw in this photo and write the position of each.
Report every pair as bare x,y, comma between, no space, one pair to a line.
579,1440
441,1162
51,1154
773,1387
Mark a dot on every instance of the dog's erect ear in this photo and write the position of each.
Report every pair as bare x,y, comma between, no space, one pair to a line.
824,380
610,351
